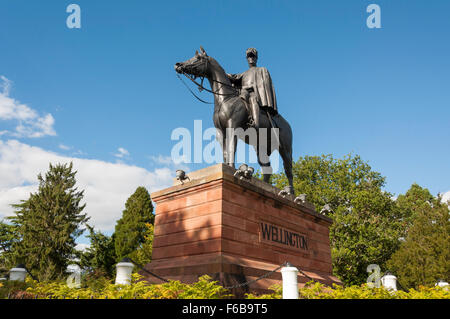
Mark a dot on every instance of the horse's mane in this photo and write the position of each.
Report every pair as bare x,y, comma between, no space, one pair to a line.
214,61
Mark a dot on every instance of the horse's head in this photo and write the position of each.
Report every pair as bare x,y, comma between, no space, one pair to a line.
196,66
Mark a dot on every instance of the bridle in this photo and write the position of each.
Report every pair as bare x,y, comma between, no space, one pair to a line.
200,85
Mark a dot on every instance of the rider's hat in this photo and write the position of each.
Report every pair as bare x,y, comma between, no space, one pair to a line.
251,51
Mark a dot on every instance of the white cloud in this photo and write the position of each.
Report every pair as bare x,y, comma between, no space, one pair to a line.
29,122
64,147
160,159
122,153
5,85
82,247
167,161
446,197
107,185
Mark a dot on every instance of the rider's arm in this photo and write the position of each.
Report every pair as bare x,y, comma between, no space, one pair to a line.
235,79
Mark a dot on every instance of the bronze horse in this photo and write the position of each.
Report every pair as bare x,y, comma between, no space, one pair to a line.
231,113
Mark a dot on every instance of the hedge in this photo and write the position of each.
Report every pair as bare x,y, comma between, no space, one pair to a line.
204,288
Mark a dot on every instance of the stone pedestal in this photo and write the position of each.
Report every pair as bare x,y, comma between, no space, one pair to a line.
236,230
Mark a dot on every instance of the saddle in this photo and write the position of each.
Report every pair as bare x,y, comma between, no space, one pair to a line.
263,110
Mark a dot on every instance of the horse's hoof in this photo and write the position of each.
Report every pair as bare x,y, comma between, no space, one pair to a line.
326,210
283,193
290,190
301,199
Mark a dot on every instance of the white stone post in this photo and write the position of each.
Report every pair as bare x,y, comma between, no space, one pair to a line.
389,281
19,273
290,286
123,273
441,283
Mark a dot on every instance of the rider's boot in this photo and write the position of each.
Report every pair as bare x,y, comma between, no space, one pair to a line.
255,112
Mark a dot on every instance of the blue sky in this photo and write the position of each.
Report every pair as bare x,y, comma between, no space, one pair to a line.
381,93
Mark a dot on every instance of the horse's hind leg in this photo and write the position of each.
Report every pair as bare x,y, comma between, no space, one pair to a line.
262,152
286,155
266,170
230,146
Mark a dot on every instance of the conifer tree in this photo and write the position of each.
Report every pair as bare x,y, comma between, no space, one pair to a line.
8,235
131,229
100,256
48,223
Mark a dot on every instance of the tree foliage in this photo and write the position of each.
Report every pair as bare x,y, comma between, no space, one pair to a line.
413,201
131,229
48,223
366,224
100,256
143,254
8,236
424,257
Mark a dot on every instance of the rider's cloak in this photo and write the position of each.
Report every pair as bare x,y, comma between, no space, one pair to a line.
257,78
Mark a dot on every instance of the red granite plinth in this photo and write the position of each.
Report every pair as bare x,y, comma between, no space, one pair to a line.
236,230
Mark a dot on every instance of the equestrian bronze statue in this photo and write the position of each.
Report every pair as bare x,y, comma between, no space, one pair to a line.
244,102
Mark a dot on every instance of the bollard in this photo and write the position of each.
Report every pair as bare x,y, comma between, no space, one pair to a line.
124,270
441,283
18,273
290,284
389,281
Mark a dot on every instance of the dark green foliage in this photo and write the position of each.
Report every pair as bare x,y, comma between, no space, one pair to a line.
415,199
48,223
424,256
131,229
366,221
326,180
100,256
8,235
367,232
143,254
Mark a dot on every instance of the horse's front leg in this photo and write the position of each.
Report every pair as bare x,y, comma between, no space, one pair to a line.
220,136
230,146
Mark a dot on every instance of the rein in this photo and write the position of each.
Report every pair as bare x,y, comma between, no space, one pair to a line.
201,87
192,92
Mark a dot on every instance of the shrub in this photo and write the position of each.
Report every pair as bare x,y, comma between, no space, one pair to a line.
12,289
204,288
314,290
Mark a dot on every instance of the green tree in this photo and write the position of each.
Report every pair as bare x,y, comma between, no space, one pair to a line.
365,233
143,254
131,229
326,180
8,236
100,256
413,201
367,223
48,223
424,257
